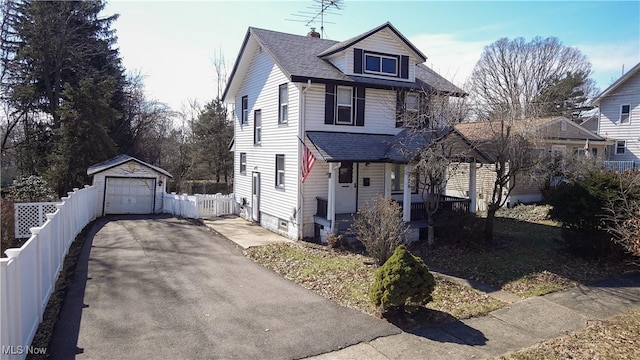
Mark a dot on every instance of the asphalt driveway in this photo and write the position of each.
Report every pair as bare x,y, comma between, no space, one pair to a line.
162,288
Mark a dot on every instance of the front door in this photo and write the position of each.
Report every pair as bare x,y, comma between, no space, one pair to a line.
255,197
346,188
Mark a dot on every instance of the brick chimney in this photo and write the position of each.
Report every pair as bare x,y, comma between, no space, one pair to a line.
313,33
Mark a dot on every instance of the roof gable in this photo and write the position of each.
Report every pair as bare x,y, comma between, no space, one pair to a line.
119,160
356,39
609,91
298,57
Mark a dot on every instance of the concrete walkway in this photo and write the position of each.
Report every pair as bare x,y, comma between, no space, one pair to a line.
521,324
242,232
508,329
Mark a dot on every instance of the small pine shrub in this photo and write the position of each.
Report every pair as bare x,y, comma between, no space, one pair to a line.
403,278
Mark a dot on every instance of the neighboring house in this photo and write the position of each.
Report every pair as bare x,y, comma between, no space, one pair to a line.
619,118
302,102
557,135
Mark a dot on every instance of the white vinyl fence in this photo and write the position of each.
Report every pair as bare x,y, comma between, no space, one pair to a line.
29,273
28,215
619,166
199,206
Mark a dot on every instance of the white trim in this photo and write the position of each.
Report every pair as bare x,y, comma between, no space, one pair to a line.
624,148
280,173
338,105
620,120
257,127
381,57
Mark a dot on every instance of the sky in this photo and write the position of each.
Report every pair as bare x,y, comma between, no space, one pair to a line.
173,43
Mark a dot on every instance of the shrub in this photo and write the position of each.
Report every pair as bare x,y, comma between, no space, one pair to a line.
403,278
580,206
380,228
460,228
32,188
7,225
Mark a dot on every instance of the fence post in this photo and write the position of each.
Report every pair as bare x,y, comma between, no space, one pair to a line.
15,312
36,232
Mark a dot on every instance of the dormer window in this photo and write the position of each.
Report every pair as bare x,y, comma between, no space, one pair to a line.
380,64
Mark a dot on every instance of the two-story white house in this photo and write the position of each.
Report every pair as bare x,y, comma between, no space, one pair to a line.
335,108
619,119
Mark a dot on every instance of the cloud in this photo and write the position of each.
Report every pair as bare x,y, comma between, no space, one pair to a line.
449,55
608,58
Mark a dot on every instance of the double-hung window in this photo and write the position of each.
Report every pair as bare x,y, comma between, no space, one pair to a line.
245,110
412,108
625,114
621,146
283,104
257,127
344,105
280,171
380,64
243,163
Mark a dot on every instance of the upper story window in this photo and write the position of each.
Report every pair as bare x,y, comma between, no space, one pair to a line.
380,64
283,104
280,170
621,146
257,127
344,105
625,114
412,105
243,163
245,110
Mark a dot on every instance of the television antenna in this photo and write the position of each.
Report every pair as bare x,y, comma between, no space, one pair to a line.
316,13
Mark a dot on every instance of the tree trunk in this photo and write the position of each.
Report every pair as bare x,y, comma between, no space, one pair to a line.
430,232
488,226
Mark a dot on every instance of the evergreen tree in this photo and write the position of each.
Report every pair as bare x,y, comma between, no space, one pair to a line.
213,133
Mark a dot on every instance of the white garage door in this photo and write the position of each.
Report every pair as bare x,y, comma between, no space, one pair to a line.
129,196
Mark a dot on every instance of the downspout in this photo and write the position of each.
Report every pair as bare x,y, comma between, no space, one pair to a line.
301,135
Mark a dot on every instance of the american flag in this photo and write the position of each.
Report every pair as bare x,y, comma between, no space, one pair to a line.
307,161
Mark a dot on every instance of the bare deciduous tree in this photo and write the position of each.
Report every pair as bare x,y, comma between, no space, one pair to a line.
523,78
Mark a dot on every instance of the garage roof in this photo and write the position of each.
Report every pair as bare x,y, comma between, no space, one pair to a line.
121,159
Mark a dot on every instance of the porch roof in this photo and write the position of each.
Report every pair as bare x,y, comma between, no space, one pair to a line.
335,146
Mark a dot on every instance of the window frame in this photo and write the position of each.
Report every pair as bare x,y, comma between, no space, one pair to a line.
413,180
244,113
243,163
280,181
380,56
338,105
624,147
628,114
283,106
257,127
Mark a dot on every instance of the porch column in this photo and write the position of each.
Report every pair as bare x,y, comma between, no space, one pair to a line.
331,204
473,196
406,195
387,180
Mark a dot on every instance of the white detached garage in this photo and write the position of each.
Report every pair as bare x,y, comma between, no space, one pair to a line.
129,186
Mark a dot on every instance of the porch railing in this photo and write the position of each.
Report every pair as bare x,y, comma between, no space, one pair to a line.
447,203
619,166
321,207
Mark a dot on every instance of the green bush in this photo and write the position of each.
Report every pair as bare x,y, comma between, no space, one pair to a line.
403,278
581,207
459,228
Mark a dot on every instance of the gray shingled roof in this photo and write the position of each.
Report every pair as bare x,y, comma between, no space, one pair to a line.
121,159
298,57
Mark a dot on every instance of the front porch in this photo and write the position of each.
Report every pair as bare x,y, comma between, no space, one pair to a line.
417,219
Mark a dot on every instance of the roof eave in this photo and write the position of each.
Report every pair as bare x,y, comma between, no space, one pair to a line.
231,82
616,84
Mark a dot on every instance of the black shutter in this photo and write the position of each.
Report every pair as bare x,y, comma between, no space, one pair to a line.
400,96
404,67
357,61
359,106
329,104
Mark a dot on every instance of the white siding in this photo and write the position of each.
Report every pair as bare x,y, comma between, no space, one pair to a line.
316,185
626,94
379,108
383,41
261,84
130,169
375,173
